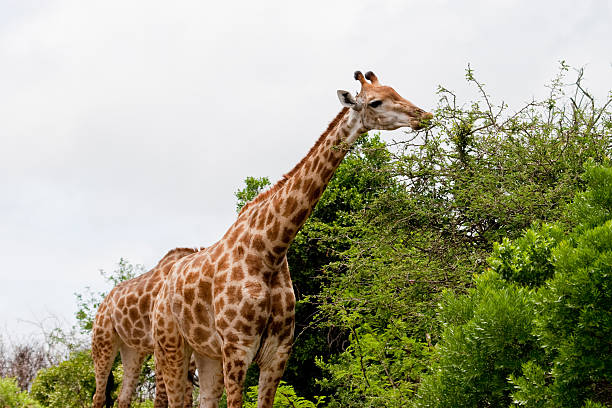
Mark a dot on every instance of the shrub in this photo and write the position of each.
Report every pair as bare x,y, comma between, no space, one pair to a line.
11,395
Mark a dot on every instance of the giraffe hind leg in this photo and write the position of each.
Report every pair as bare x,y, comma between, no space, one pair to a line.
132,360
104,348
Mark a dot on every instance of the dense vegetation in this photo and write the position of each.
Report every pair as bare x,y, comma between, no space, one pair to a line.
466,265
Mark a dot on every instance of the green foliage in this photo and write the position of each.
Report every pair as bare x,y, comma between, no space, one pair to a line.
379,368
528,259
11,396
285,397
253,186
549,346
487,336
574,322
69,384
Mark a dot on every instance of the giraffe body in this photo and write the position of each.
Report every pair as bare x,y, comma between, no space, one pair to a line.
123,324
233,302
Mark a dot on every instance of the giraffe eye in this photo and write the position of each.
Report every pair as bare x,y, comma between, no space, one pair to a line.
375,104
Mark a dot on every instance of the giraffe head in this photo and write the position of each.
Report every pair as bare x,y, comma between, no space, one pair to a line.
380,107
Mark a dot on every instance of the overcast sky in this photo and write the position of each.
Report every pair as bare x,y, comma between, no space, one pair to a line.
127,126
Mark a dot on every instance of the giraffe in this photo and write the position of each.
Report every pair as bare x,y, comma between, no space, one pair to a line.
123,323
233,303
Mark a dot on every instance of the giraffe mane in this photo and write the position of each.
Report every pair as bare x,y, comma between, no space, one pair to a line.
177,250
280,183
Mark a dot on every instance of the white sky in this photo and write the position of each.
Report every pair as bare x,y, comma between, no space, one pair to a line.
127,126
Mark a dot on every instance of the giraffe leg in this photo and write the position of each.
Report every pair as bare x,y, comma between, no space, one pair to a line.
161,396
235,364
210,372
104,347
173,362
189,383
132,364
270,373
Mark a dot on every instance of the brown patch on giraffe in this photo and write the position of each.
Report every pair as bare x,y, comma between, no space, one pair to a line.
247,311
254,264
271,260
276,304
253,288
290,206
230,313
234,294
275,281
222,323
314,193
191,277
236,233
306,186
200,333
144,304
300,216
285,335
287,235
189,295
326,174
315,163
261,221
258,243
205,291
238,252
237,273
260,324
200,313
219,283
223,262
272,232
269,218
219,304
242,327
276,327
231,337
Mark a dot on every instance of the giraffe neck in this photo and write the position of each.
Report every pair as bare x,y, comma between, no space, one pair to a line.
282,210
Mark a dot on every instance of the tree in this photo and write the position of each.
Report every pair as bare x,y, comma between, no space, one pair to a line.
540,317
479,175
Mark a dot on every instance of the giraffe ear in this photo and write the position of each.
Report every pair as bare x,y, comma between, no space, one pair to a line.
346,99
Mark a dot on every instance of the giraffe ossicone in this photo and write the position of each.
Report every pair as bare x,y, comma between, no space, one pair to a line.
233,302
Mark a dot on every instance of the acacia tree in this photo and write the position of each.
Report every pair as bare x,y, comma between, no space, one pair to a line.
478,175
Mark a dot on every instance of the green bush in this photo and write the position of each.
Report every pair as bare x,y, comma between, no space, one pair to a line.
487,336
70,384
379,368
11,395
574,321
285,397
528,259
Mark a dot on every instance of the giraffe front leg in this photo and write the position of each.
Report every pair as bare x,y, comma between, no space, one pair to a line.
272,363
236,360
